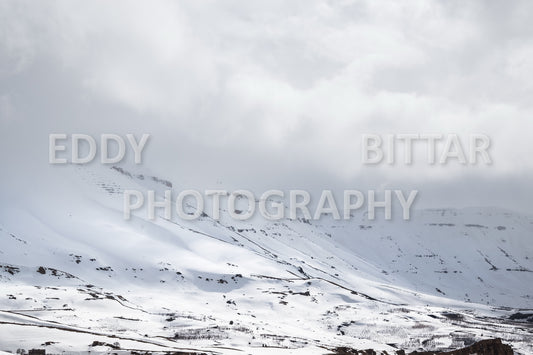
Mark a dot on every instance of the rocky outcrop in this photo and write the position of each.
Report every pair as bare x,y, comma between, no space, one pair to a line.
483,347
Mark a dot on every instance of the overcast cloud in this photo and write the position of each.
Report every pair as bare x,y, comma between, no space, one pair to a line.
276,94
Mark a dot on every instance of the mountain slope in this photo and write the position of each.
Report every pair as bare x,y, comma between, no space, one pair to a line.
75,273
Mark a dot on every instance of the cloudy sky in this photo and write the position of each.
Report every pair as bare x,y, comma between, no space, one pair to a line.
276,94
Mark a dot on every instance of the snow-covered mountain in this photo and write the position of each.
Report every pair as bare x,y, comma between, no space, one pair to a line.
76,276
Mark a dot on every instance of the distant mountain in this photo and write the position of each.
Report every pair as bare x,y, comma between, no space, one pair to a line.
76,276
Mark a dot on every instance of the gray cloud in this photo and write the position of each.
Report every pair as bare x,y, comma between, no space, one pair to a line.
255,94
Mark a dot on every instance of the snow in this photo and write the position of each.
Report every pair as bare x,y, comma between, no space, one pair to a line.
75,272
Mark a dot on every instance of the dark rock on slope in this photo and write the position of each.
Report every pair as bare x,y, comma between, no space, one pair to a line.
483,347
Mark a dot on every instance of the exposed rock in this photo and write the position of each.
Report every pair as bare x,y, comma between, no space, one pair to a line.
483,347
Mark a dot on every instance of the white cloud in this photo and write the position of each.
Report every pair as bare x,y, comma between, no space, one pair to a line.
292,82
